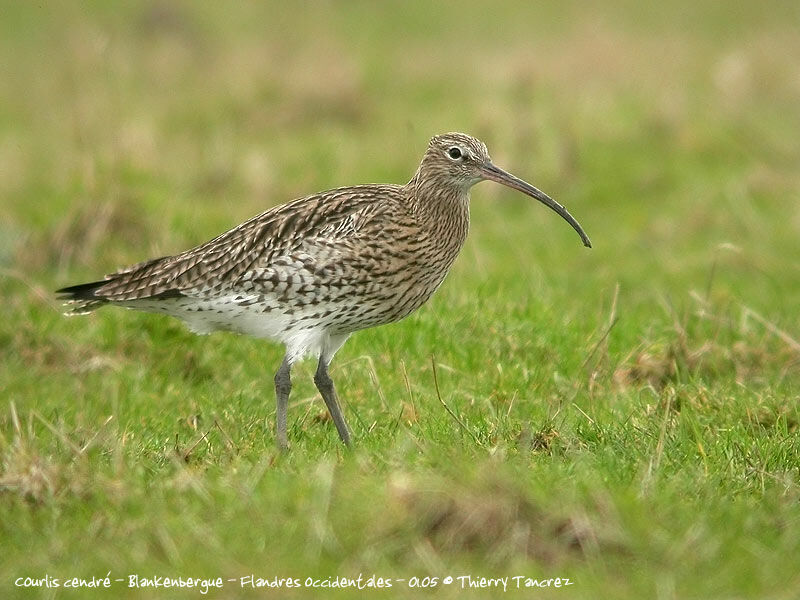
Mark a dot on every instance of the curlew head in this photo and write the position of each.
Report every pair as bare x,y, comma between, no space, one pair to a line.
459,161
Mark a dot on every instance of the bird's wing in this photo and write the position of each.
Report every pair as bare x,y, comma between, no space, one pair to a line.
329,217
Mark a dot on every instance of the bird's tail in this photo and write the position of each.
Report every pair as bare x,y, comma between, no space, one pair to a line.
81,299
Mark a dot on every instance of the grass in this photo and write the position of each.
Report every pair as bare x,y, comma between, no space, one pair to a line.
625,417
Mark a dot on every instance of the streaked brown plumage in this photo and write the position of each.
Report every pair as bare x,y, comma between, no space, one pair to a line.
311,272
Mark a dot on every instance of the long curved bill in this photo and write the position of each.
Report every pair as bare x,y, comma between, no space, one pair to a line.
495,173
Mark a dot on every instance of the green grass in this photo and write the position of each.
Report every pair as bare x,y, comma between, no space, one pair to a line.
626,417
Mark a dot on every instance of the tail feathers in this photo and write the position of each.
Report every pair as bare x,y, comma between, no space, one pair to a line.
86,297
81,299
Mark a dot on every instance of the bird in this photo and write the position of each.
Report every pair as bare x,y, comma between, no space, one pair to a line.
310,272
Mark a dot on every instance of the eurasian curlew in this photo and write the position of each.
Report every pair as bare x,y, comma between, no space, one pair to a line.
311,272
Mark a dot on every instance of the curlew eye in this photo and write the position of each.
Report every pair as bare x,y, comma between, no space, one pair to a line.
455,153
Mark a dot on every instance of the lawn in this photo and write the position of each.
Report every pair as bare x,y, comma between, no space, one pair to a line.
621,421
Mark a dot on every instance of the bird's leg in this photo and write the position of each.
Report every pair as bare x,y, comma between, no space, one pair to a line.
324,384
283,385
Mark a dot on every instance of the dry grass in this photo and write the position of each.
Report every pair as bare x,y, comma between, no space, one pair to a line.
493,518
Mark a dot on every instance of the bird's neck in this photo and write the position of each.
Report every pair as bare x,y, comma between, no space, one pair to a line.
443,210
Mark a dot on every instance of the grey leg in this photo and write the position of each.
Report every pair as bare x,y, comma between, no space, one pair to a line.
283,385
324,384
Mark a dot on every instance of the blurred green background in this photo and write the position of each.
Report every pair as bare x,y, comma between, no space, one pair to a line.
628,414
